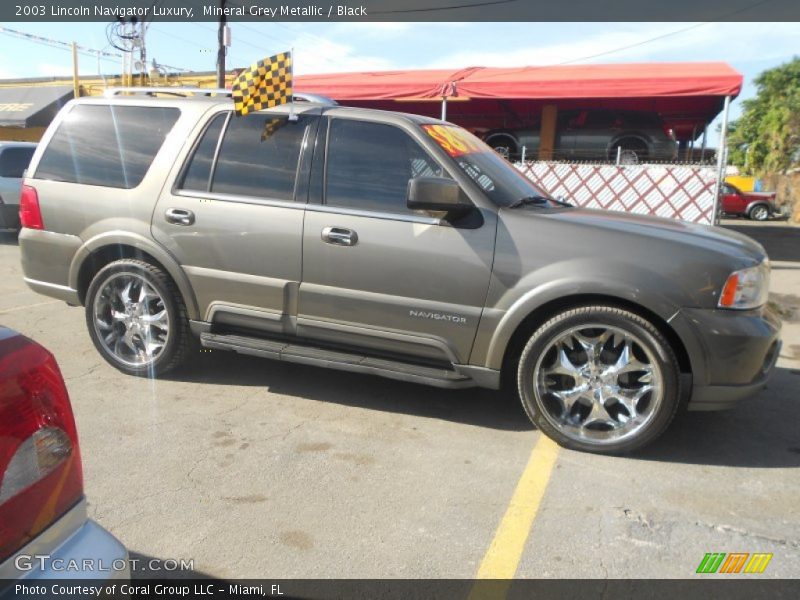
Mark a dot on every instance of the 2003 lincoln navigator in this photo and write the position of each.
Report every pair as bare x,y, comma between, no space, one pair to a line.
389,244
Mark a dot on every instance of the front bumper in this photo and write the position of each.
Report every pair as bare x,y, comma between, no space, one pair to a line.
74,547
733,353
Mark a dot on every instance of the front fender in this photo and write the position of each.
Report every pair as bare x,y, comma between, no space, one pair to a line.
499,322
125,238
753,203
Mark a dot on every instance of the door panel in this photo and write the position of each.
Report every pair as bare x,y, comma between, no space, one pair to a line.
241,248
420,279
409,284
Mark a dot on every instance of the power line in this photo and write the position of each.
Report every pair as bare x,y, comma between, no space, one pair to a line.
637,44
441,8
61,45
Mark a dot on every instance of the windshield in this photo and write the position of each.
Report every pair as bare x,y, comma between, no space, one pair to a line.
503,183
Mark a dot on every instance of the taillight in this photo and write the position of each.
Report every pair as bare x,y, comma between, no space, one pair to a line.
668,131
40,465
30,215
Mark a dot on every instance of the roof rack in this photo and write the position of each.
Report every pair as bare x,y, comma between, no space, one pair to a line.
199,91
172,91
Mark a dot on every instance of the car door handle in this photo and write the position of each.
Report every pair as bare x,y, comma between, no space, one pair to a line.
179,216
339,236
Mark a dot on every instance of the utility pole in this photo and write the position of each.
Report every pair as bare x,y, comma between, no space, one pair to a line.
221,39
142,54
76,85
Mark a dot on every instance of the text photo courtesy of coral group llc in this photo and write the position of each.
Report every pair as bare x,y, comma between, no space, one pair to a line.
399,299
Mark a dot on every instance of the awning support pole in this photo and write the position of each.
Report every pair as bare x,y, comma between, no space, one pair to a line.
444,108
703,146
722,157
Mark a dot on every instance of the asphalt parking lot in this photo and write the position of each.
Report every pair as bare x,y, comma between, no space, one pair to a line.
256,468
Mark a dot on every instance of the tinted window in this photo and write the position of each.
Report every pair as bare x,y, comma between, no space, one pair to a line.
14,161
106,145
641,119
198,172
370,164
600,119
259,156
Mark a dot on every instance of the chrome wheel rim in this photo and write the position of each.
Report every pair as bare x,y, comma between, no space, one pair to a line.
131,319
760,213
598,384
628,157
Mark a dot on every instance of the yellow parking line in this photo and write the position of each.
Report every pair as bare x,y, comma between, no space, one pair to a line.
15,308
503,556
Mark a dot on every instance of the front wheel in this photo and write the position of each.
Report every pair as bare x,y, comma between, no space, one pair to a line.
599,379
137,319
759,213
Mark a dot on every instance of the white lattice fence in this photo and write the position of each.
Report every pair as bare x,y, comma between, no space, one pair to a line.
682,192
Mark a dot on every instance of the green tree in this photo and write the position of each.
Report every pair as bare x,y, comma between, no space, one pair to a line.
766,138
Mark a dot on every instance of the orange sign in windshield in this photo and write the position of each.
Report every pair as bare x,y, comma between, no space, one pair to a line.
453,140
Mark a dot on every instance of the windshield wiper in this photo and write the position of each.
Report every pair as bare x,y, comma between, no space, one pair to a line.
531,200
538,200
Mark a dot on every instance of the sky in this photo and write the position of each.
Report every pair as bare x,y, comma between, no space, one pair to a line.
330,47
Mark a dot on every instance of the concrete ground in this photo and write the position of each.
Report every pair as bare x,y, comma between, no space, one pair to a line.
261,469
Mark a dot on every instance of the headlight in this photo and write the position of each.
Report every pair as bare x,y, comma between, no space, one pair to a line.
745,289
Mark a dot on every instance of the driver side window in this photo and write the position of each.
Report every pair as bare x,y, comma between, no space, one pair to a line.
369,166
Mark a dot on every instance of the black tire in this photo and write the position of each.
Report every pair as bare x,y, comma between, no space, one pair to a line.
540,412
634,151
505,144
759,212
179,340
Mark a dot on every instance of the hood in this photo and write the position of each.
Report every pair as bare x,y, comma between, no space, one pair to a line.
659,263
702,237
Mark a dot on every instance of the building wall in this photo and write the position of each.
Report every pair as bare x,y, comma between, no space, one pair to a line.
21,134
95,86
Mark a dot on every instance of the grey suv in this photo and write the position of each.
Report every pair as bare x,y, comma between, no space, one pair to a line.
388,244
595,135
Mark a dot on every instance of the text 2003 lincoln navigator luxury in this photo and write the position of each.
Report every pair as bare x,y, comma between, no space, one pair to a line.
388,244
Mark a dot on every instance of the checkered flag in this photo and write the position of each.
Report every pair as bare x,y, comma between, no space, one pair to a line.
265,84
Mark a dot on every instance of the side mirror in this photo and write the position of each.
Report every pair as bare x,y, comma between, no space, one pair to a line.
436,193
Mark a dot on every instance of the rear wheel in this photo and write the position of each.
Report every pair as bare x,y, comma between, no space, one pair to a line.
504,144
137,319
759,213
631,151
599,379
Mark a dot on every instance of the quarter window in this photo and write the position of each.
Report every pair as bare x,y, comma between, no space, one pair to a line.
106,145
259,156
198,173
370,164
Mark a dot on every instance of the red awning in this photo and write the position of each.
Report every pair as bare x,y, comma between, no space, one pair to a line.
687,95
646,80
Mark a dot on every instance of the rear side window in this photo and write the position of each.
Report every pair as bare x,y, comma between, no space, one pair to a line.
14,161
259,156
105,145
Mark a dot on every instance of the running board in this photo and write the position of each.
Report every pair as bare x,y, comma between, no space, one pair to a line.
345,361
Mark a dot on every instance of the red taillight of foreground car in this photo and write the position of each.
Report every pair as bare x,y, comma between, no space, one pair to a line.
40,465
30,215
